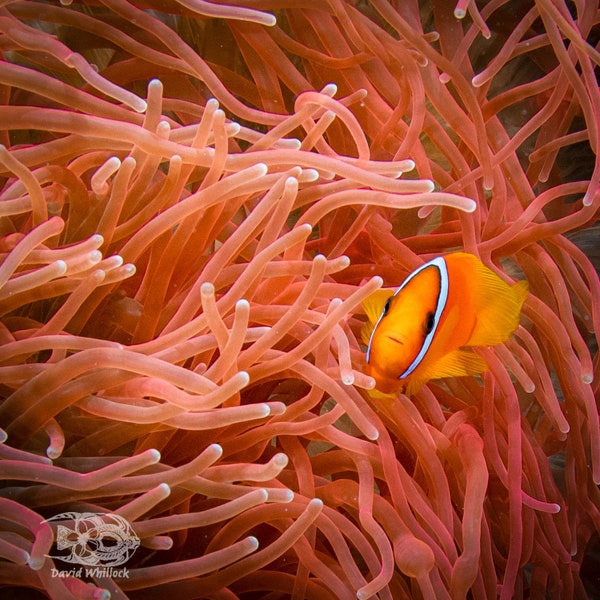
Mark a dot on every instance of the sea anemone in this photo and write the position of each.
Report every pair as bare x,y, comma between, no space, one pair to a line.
195,199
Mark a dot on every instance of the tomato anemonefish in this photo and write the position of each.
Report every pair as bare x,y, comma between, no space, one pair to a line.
416,333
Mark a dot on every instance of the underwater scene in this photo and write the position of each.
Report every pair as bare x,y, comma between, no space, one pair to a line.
299,300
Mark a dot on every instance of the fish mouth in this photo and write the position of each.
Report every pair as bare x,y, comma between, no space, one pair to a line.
395,339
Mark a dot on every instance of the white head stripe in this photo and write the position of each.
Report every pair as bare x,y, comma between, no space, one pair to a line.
440,263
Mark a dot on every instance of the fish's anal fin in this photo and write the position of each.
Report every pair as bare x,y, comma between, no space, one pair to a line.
377,395
373,307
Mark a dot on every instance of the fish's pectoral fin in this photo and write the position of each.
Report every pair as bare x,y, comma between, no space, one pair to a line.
373,307
458,363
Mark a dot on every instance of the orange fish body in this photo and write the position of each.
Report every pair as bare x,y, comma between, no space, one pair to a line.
420,331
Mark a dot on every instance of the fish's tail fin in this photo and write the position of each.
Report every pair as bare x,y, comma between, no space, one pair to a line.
498,308
521,291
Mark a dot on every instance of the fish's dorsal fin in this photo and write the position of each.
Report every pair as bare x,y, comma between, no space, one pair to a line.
373,307
497,306
457,363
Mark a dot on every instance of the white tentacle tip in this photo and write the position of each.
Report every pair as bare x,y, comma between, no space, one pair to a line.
154,455
253,542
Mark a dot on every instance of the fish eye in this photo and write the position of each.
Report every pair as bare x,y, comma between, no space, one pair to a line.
429,323
386,306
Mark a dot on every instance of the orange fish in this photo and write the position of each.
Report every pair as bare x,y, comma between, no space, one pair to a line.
419,332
